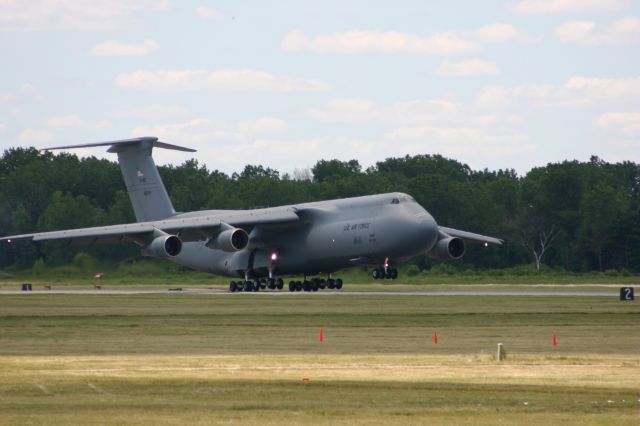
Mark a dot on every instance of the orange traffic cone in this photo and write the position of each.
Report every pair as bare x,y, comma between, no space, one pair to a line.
321,335
554,341
435,337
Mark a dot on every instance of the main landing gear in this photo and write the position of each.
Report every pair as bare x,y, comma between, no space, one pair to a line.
316,284
313,284
257,285
382,273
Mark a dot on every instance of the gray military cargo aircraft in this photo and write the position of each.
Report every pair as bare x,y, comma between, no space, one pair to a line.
259,247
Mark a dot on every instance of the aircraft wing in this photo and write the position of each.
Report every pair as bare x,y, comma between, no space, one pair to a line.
195,228
469,236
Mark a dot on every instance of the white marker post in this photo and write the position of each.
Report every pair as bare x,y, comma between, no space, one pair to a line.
502,354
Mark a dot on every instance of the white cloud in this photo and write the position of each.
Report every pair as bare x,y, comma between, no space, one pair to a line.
467,68
557,7
220,80
262,125
621,32
208,13
218,142
470,144
150,112
76,15
204,131
627,123
365,111
366,41
116,48
497,33
24,92
577,91
73,121
34,137
378,42
28,89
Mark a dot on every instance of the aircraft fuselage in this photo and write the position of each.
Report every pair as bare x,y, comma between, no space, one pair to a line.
339,233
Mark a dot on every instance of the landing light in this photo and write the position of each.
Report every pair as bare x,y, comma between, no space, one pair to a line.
486,244
9,241
274,256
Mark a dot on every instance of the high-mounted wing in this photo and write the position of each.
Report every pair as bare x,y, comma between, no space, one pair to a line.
188,228
469,235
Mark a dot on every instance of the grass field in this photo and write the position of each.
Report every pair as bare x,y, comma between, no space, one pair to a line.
179,358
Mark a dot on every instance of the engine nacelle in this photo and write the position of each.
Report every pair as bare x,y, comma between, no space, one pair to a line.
164,246
448,248
231,240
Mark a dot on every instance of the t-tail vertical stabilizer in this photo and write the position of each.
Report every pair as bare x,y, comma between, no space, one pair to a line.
147,193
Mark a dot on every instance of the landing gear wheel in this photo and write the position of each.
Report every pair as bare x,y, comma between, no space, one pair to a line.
315,285
375,274
292,286
331,283
322,284
279,284
306,286
233,287
339,283
394,273
298,286
248,286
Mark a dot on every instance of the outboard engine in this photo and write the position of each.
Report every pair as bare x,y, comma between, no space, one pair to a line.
163,246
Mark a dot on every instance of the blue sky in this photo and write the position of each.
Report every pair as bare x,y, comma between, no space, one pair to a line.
494,84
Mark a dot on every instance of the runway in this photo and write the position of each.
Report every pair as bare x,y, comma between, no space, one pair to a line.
323,293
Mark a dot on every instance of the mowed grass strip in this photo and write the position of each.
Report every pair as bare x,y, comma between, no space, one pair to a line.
249,324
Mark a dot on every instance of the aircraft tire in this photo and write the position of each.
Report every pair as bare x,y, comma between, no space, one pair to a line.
306,286
375,274
331,283
315,285
292,286
394,273
339,283
298,286
323,284
233,287
279,284
248,286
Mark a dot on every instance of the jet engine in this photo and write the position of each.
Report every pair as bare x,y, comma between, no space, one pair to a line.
448,248
164,246
231,240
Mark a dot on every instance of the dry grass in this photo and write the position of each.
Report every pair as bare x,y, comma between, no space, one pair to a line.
177,359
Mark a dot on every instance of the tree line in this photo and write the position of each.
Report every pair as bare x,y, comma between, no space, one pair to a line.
575,216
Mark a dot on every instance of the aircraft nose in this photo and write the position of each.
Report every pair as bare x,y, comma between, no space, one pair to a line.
429,231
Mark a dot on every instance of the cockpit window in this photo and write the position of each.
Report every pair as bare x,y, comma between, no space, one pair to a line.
395,201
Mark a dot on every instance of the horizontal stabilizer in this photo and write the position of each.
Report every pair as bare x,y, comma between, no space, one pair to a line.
116,145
